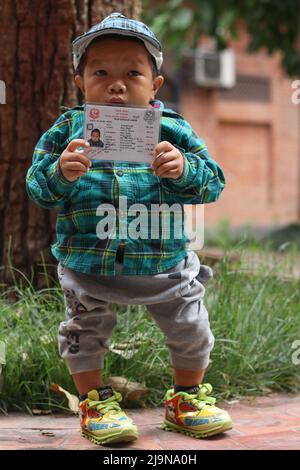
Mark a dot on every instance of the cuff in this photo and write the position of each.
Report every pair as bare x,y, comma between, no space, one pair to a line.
186,178
57,182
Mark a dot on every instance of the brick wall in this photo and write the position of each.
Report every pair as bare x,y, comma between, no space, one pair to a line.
256,142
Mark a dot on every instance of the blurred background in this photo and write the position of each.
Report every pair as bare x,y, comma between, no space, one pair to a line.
231,69
240,102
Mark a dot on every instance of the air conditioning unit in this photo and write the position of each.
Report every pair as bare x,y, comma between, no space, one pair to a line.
215,69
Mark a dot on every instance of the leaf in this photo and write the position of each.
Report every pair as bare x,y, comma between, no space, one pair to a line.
45,339
73,401
182,19
205,16
127,354
227,18
129,348
38,412
133,391
25,357
174,4
159,23
233,402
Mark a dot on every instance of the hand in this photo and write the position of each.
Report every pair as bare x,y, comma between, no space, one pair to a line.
168,161
74,164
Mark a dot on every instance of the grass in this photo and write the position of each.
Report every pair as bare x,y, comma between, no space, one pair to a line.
254,318
281,239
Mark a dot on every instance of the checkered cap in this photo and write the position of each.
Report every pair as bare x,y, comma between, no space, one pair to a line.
116,23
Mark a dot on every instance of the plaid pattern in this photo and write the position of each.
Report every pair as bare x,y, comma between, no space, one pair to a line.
78,245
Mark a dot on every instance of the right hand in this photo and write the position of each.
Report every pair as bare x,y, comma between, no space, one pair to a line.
74,164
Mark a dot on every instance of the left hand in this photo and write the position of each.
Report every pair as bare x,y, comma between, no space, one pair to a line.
170,164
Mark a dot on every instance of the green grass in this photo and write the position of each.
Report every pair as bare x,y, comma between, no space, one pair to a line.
281,239
254,318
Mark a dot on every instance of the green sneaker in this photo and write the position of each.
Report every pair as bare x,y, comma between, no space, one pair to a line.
103,421
195,414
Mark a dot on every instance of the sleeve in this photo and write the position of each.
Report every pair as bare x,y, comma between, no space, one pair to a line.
45,183
202,180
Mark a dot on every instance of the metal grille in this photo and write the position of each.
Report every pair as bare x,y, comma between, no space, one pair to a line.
249,88
212,66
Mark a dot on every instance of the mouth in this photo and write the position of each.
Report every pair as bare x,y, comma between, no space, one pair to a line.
117,100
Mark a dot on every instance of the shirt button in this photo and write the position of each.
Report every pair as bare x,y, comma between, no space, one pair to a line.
120,173
122,214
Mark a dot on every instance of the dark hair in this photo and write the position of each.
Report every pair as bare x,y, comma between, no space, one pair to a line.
80,69
96,130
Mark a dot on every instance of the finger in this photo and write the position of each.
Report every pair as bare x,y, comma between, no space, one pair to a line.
170,174
173,174
163,146
161,158
78,157
73,175
77,143
75,166
77,174
165,168
161,164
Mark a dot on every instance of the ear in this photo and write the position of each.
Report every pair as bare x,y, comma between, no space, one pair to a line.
157,84
79,83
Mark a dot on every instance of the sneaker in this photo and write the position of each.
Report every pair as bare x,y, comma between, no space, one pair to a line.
195,414
103,421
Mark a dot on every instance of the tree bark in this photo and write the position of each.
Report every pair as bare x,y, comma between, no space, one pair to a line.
36,67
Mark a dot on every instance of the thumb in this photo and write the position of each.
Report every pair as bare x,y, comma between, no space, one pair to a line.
77,143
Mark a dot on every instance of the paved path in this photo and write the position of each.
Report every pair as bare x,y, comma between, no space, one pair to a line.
263,423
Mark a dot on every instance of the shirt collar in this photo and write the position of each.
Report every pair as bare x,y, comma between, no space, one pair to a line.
157,104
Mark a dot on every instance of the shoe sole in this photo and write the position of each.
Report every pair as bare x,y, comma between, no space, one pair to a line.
167,426
125,435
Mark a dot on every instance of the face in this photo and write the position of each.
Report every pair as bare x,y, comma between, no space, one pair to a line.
118,72
95,136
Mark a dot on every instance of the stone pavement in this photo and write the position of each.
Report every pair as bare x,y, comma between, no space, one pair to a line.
271,423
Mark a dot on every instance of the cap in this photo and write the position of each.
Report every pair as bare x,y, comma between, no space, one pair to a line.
116,23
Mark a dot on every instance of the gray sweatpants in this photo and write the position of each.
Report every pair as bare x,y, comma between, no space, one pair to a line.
174,299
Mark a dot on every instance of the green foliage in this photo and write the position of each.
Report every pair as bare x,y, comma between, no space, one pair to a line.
273,25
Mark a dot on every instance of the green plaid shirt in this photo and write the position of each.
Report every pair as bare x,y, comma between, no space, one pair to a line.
78,244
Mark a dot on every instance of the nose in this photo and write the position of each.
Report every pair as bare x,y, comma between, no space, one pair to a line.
117,87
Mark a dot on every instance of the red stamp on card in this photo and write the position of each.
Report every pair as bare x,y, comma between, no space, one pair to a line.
94,113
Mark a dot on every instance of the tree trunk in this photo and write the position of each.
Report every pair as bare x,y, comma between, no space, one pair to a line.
36,67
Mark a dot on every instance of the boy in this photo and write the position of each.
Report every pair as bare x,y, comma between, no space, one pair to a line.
95,140
118,62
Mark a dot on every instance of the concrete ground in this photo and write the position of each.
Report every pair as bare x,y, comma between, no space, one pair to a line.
271,423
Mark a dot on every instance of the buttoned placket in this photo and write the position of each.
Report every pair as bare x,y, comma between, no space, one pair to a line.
122,214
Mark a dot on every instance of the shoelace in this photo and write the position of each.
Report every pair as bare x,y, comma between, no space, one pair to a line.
201,398
111,404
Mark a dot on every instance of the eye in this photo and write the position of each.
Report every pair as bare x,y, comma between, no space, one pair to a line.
134,73
100,73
